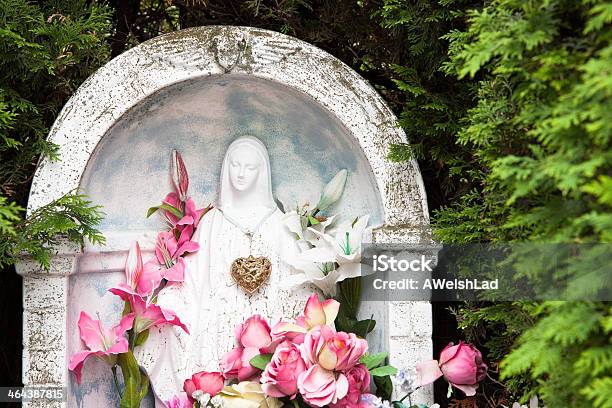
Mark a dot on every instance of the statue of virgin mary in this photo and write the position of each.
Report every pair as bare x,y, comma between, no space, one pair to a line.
246,221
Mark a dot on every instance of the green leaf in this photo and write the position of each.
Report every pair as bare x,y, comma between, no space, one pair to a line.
129,367
313,220
130,394
261,361
144,387
136,382
127,308
384,387
383,371
373,360
345,323
141,338
363,327
152,211
349,296
175,211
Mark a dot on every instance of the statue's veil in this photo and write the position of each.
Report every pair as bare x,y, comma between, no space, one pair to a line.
262,196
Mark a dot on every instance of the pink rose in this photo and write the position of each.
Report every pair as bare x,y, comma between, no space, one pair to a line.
253,338
208,383
333,350
321,387
279,379
358,384
316,313
461,366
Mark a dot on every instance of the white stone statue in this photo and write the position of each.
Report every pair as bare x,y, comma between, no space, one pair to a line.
245,221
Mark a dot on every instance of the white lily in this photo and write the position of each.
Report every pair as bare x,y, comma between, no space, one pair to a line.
333,190
344,246
315,268
296,224
333,259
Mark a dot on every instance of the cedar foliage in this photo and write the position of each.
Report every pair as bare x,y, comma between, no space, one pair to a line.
46,50
540,130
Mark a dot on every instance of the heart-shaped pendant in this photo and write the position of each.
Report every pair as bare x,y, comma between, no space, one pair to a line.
250,273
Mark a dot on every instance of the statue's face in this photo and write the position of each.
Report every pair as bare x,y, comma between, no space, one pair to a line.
244,166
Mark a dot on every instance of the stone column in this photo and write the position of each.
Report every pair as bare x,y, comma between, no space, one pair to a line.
409,323
45,295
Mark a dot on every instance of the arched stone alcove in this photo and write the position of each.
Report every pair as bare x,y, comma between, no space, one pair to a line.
195,90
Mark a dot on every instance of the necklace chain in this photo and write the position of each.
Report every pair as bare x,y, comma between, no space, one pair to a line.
247,233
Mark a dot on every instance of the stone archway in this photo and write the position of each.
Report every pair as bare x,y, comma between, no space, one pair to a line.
199,53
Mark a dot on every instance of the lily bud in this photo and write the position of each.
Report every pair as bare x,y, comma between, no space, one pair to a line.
133,265
180,178
333,190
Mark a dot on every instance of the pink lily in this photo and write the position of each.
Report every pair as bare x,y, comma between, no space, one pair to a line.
180,177
169,252
189,215
147,315
141,280
102,343
316,314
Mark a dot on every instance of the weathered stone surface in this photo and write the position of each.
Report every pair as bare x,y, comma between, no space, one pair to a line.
43,367
124,81
61,263
410,320
44,291
405,354
44,329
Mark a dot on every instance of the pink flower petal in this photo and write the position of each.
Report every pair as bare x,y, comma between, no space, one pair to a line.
330,308
469,390
449,352
255,332
124,325
92,332
133,265
314,313
342,387
150,279
176,273
427,372
123,291
76,363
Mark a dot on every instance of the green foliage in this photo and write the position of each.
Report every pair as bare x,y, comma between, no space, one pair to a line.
46,50
540,134
71,217
434,103
9,213
261,361
136,383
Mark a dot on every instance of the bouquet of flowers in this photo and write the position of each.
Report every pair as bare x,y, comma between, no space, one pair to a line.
143,283
329,253
304,362
307,363
319,359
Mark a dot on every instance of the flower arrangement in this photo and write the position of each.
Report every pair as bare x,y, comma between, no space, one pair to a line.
143,283
318,359
308,363
325,257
